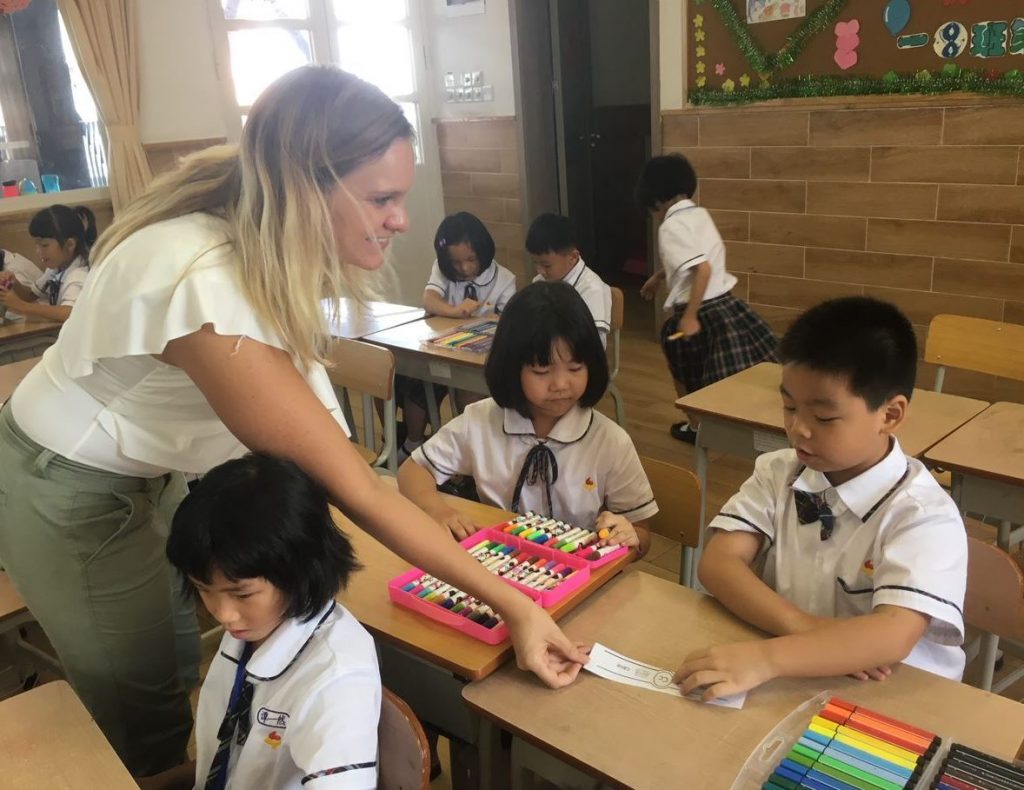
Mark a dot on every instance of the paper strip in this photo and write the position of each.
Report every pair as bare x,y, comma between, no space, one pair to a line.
610,665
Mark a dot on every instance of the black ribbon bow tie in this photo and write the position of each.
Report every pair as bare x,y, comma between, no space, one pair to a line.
471,292
811,508
540,466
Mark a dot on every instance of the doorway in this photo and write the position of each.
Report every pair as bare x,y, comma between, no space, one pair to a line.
583,74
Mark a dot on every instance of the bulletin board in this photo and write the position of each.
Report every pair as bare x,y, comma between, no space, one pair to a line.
741,51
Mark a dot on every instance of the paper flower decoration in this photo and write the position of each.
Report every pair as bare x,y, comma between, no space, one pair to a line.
698,21
745,80
719,69
728,86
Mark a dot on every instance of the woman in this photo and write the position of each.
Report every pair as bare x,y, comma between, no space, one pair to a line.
198,335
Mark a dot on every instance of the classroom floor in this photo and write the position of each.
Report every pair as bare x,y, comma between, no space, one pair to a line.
649,396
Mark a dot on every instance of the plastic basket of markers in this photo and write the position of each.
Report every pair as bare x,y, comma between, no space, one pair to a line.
576,541
544,573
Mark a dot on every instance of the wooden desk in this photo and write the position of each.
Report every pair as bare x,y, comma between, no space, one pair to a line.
12,374
742,415
427,663
23,339
355,320
634,738
416,357
48,739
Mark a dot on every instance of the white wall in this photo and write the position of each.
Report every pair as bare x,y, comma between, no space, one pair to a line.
671,53
478,42
180,91
619,52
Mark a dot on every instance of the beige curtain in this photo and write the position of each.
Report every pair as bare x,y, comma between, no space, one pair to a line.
104,34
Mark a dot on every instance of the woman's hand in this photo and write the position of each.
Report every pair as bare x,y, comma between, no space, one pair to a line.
542,648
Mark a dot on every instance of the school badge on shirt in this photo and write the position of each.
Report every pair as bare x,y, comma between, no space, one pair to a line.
273,740
589,483
868,569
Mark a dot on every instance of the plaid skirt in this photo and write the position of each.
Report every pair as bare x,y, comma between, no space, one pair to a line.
732,338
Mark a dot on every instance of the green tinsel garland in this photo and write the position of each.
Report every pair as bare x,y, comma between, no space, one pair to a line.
817,21
950,79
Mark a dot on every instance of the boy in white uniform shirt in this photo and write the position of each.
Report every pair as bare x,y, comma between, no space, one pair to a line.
551,243
862,556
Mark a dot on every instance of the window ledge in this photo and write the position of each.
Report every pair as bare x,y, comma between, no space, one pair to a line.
70,197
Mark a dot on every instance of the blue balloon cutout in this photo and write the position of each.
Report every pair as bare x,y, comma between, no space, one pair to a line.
897,15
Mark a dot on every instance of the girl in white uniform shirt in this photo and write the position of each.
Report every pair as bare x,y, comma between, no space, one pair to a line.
63,237
465,281
200,335
292,697
538,444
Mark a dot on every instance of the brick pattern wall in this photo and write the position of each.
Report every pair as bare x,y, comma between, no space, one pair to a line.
480,174
917,201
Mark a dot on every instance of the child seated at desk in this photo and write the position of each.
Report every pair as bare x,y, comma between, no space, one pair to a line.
63,237
537,443
294,691
465,281
844,548
551,243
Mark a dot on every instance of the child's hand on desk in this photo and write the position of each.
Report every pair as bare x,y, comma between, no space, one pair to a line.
542,648
10,299
878,673
725,669
615,530
6,280
460,525
467,307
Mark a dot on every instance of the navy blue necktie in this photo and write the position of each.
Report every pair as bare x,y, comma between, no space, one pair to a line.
811,508
236,717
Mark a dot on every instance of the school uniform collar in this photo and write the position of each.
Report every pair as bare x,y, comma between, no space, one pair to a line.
275,656
575,272
865,493
485,277
571,428
683,205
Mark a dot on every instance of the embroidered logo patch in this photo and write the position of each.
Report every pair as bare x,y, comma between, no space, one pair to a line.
272,718
589,484
868,568
273,740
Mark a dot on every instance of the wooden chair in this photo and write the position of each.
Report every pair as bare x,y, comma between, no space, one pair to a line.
370,371
974,344
677,492
994,604
404,761
615,346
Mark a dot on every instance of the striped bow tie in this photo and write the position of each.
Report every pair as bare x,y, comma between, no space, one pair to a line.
811,508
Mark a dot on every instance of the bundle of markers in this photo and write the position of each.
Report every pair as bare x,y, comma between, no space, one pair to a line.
847,747
540,572
968,769
560,536
476,338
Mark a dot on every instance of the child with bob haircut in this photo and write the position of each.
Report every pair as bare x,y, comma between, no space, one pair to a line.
843,547
537,443
292,698
465,281
711,334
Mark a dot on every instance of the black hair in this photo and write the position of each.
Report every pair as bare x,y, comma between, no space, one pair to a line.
868,341
263,517
550,233
663,178
533,320
63,223
463,228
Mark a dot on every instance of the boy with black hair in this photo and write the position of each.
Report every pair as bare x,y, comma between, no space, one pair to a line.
842,546
711,334
551,242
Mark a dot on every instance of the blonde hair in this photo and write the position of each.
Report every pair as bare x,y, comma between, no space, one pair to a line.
305,132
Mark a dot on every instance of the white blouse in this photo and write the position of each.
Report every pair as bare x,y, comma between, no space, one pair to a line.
99,397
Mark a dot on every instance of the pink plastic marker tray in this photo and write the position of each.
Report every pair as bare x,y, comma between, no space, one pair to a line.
609,557
497,634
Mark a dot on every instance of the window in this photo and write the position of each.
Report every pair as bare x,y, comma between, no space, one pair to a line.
371,38
50,132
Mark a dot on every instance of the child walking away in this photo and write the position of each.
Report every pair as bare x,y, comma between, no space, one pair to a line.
711,334
537,444
63,237
293,694
465,281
